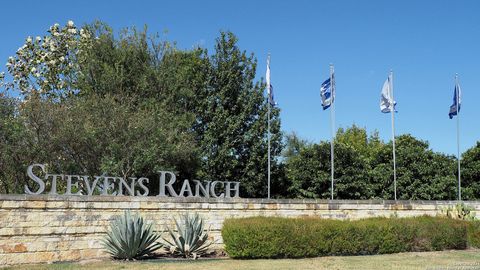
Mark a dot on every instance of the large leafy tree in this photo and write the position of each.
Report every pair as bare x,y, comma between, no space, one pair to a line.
48,66
232,117
92,135
364,144
12,145
470,169
421,173
293,145
126,66
309,173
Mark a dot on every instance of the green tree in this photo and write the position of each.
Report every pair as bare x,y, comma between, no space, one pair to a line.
366,145
108,136
309,173
145,76
93,136
308,165
125,67
183,78
470,169
293,145
232,120
421,173
12,145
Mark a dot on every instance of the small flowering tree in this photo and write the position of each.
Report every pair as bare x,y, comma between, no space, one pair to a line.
48,66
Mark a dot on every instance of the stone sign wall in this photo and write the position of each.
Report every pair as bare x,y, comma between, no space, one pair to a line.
51,228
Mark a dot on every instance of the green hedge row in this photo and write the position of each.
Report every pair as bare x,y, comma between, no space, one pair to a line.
473,233
273,237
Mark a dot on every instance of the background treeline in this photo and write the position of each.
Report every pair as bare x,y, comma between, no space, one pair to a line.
129,104
364,168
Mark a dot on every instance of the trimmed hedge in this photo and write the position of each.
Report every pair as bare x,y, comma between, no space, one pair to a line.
473,233
274,237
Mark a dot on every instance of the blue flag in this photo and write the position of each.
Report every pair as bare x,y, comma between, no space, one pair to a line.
457,101
327,92
270,96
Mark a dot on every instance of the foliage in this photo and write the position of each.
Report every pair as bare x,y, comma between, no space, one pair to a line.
267,237
310,174
48,66
293,145
130,238
364,169
233,116
91,135
421,173
368,146
125,67
13,147
470,166
191,239
473,231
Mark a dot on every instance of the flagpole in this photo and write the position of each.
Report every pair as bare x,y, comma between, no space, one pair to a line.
269,149
269,105
332,126
457,94
392,112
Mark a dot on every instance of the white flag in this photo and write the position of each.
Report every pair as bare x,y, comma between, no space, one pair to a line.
387,104
269,85
267,75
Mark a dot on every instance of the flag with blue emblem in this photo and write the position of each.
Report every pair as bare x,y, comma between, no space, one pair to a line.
327,92
457,101
269,84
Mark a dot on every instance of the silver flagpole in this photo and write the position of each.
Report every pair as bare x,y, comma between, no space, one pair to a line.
268,104
332,124
269,148
392,112
457,94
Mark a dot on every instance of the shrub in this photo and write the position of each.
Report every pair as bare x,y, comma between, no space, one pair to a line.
130,238
273,237
191,239
473,233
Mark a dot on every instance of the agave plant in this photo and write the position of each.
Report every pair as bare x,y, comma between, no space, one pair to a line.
191,238
130,238
459,211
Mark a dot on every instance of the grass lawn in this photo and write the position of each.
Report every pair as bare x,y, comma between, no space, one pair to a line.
465,260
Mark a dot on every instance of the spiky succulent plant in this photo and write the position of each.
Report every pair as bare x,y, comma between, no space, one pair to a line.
190,239
130,238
